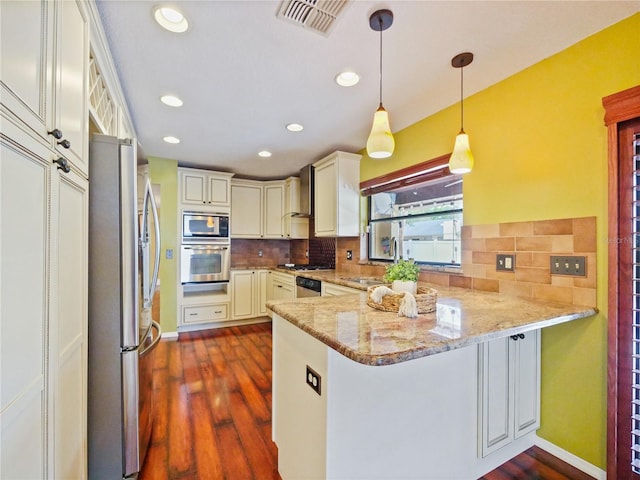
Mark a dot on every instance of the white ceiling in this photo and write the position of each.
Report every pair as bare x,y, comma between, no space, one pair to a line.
244,74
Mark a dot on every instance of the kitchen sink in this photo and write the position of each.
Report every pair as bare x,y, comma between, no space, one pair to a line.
363,280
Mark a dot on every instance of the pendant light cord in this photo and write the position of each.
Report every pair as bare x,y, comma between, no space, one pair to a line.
380,21
461,100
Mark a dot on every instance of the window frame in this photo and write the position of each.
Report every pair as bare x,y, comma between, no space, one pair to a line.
422,173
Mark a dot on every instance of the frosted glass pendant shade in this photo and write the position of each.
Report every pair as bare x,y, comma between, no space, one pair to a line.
380,143
461,160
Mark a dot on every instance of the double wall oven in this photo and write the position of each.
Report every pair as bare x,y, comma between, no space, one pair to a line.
205,252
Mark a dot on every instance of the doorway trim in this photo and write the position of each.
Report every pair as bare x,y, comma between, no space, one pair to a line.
619,107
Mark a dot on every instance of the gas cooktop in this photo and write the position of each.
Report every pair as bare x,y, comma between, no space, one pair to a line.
299,266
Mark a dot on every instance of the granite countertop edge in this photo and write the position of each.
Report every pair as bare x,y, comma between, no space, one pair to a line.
433,345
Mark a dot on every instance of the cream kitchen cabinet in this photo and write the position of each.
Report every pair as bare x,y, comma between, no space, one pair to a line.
283,286
204,188
249,293
44,327
509,383
337,195
295,227
332,290
44,57
257,209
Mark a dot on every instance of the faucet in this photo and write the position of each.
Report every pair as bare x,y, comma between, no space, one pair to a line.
394,249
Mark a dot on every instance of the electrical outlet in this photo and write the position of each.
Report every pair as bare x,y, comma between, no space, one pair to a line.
259,253
168,254
349,254
313,379
505,263
575,266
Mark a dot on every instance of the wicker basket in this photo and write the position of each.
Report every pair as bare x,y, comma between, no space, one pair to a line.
425,299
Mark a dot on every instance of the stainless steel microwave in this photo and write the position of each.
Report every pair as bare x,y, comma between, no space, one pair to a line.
204,263
201,226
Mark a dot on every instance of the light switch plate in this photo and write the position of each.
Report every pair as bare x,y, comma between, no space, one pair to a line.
574,266
505,262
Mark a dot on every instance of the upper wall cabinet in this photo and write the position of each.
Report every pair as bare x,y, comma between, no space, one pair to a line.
44,57
257,209
204,188
337,195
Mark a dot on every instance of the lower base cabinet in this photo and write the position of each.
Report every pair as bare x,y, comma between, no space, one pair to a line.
249,293
332,290
282,286
509,383
205,313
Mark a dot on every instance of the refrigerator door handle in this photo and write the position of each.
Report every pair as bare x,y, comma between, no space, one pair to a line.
149,287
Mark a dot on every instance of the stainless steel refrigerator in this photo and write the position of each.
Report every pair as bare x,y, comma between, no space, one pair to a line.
124,257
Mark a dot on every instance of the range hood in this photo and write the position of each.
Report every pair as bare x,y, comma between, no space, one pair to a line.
306,191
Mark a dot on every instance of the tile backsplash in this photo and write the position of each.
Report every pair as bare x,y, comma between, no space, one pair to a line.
531,242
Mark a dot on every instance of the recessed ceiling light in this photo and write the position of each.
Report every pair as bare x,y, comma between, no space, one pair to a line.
347,79
171,19
264,154
171,100
170,139
295,127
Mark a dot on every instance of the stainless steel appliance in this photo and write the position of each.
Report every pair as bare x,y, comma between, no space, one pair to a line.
204,263
307,287
124,258
201,226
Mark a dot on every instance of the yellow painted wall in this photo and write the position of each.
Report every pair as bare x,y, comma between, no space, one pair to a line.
164,172
541,152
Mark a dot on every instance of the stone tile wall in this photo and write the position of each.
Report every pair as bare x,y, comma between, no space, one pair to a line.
531,242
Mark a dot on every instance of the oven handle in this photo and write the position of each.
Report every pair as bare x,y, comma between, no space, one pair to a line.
186,247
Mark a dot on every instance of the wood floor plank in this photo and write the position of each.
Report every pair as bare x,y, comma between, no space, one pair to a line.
252,395
207,452
236,464
180,438
258,454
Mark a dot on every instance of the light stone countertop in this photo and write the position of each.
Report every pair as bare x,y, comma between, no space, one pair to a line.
463,317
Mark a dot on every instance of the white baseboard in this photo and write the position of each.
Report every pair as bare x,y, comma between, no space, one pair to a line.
173,336
571,459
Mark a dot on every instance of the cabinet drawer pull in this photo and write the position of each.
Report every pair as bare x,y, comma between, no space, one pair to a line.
57,133
218,311
193,314
65,143
63,164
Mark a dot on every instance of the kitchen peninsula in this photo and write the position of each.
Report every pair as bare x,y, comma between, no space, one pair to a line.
362,393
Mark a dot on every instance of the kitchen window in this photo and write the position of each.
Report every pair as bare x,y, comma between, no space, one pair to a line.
418,220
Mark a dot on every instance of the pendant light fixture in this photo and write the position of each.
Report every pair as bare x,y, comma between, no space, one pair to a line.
380,143
461,160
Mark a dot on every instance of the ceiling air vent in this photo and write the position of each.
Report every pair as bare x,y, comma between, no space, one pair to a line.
316,15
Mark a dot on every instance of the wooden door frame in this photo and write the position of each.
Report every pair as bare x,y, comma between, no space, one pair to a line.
619,107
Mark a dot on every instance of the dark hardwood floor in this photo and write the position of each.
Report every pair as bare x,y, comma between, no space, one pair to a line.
213,419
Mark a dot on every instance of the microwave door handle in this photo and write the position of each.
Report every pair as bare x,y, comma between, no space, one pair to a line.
156,225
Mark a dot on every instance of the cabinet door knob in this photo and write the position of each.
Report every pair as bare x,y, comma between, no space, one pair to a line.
65,143
514,337
56,133
63,164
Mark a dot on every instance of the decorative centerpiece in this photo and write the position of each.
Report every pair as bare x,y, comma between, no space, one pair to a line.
404,297
403,276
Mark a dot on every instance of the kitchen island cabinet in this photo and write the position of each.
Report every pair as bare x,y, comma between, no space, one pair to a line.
398,397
